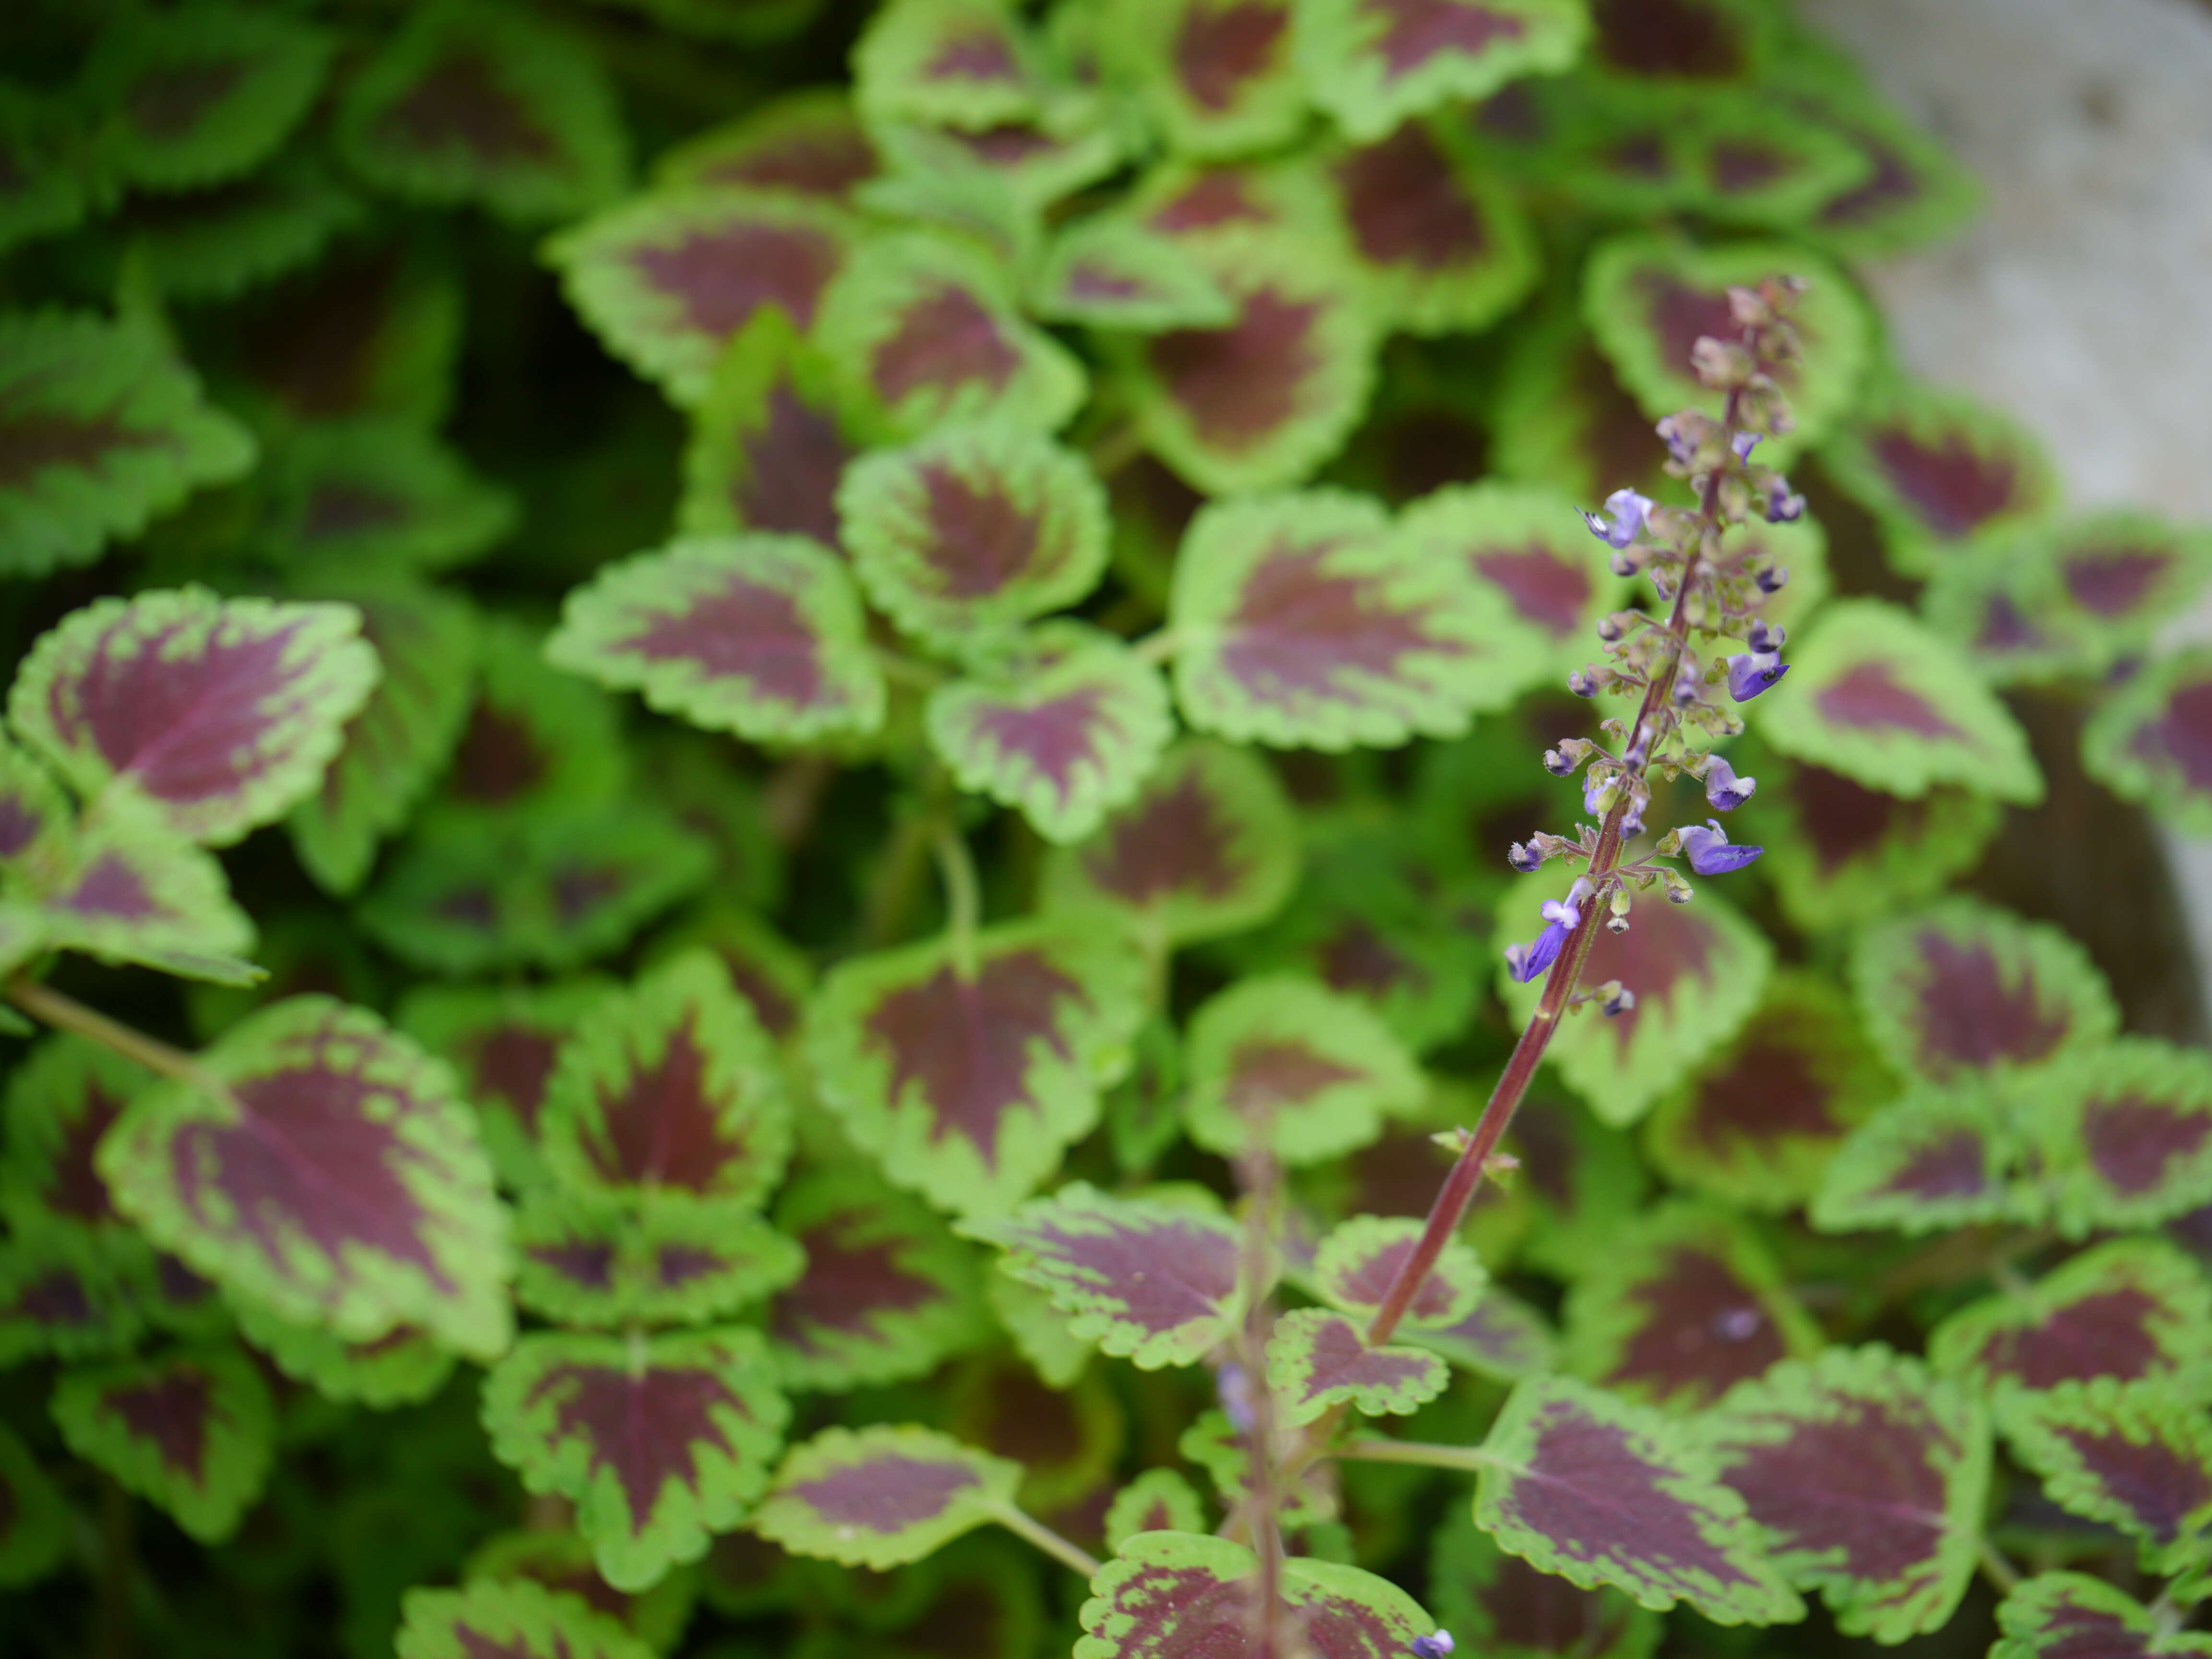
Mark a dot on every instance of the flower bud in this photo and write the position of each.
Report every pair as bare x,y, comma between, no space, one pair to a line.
1560,765
1724,790
1527,860
1773,578
1622,998
1583,683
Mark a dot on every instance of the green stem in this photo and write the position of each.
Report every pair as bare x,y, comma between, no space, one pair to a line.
66,1014
1426,1453
963,898
1998,1570
1022,1524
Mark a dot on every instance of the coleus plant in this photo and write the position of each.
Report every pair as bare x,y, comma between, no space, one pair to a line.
513,1168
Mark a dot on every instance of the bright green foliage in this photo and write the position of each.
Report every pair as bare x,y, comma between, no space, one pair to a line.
510,1616
2138,1458
190,1431
2142,743
2059,1613
2123,1134
1318,1360
344,497
1497,1603
671,1259
881,1497
562,1562
1111,273
1934,1158
1158,1500
403,1367
1369,67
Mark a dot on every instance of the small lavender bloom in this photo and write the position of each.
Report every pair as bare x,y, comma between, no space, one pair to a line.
1558,763
1527,860
1632,821
1710,852
1620,1002
1563,912
1581,683
1781,506
1680,438
1743,443
1627,509
1773,578
1593,792
1689,684
1525,961
1621,564
1763,637
1753,673
1725,791
1234,1389
1433,1647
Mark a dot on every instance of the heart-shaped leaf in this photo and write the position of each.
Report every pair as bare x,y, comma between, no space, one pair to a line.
1879,698
1289,1065
1686,1304
1934,1158
1698,971
965,63
668,280
403,737
673,1259
63,1098
1209,847
336,1178
1303,621
69,1296
1915,191
562,1562
2121,1133
886,1292
34,1522
1215,76
809,145
1144,1278
658,1441
928,325
966,1080
1066,727
1356,1265
1499,1605
670,1084
1185,1596
536,735
1443,247
972,529
2135,1458
2127,572
221,712
881,1497
403,1367
1318,1360
2146,742
997,180
1867,1477
1938,471
348,493
1758,1123
1585,1485
190,1431
104,428
758,634
509,1618
1110,272
2131,1308
218,243
1648,300
1961,988
1370,65
477,103
1529,546
1158,1500
2059,1614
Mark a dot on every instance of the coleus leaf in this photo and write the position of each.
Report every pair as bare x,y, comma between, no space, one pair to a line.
670,1259
2147,742
1915,192
1937,1157
886,1293
1497,1604
967,1079
1158,1500
1111,272
217,244
1303,621
1648,300
337,1179
1318,1360
103,427
1559,417
1757,1123
1443,247
2124,572
390,751
1216,77
1686,1305
509,1618
882,1496
2122,1133
1287,1064
555,887
927,326
1586,1485
771,973
2070,1615
1881,699
1154,1280
2133,1309
1064,726
1224,212
1209,847
1355,1266
223,712
972,529
1183,1596
346,493
1502,1337
672,1084
809,145
41,193
562,1562
771,436
1961,988
63,1096
190,1431
478,103
659,1441
997,180
965,63
535,735
667,280
69,1296
1698,971
1038,1332
1258,402
2138,1458
205,91
1865,1478
759,634
1371,65
35,1523
1939,471
403,1367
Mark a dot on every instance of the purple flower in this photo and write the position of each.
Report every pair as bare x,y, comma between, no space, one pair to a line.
1525,961
1628,509
1618,1003
1725,791
1743,443
1763,636
1773,578
1583,683
1710,852
1433,1647
1781,506
1527,860
1753,673
1234,1389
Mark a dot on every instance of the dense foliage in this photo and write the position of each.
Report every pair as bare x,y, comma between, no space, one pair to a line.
912,1133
